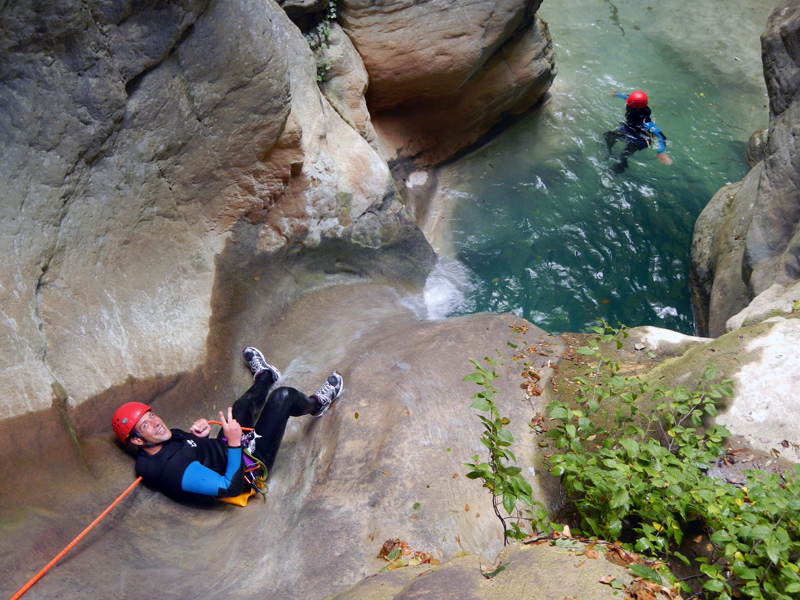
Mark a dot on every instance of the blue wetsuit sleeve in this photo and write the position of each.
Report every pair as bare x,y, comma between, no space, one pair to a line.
623,96
652,129
202,480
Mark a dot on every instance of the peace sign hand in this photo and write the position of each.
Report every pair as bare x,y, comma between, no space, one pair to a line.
231,429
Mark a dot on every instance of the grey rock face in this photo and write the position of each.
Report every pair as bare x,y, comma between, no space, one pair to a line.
757,244
133,138
718,289
772,253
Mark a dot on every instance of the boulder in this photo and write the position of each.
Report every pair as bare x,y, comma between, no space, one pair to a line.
344,83
717,285
763,361
772,252
775,300
442,72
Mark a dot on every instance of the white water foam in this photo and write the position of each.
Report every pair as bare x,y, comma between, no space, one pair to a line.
447,291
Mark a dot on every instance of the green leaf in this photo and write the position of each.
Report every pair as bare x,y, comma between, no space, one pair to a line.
631,446
509,502
714,586
512,345
614,528
481,404
645,572
620,498
743,571
416,505
499,569
557,471
476,377
720,537
773,552
585,350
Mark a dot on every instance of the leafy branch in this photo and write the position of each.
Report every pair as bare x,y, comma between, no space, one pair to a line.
499,474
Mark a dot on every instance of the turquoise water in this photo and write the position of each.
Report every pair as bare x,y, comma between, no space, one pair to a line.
540,229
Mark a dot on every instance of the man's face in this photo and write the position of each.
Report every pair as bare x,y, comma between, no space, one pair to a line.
150,428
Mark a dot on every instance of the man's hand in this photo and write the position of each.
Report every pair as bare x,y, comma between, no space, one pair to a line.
200,428
664,159
231,429
613,93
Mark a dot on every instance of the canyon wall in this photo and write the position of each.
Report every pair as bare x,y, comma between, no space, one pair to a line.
137,136
747,239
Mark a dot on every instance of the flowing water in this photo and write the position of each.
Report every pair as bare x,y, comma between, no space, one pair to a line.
537,226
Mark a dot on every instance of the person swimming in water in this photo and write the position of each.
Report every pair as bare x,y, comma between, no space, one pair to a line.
637,130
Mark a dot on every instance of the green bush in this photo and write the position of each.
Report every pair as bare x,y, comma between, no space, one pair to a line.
641,475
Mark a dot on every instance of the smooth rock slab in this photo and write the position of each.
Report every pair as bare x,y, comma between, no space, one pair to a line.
341,485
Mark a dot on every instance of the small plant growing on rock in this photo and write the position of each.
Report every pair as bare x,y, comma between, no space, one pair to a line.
318,37
499,474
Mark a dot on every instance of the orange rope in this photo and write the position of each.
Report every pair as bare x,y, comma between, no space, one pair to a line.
243,428
39,575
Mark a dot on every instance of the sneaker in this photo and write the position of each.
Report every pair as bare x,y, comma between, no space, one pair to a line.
330,391
254,358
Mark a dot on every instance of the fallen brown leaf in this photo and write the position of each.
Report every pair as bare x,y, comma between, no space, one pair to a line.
613,556
590,552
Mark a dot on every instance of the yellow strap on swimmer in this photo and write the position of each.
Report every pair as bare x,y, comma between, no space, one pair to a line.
241,499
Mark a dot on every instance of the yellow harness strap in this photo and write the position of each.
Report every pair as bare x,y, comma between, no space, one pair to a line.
241,499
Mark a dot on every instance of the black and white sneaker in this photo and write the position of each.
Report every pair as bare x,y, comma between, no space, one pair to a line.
330,391
257,364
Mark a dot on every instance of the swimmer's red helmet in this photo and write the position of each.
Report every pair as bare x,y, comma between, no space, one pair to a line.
637,99
126,417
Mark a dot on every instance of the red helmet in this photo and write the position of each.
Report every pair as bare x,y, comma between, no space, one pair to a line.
637,99
126,417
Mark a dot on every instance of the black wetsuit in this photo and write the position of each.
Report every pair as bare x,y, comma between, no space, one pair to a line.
637,131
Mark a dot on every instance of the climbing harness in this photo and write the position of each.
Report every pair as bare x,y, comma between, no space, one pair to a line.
255,471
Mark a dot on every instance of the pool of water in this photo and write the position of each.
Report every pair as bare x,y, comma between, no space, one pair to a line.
537,226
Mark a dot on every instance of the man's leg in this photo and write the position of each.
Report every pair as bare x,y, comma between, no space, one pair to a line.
612,137
622,163
283,403
252,401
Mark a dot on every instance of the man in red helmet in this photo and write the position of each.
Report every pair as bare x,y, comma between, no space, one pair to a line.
191,466
638,130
